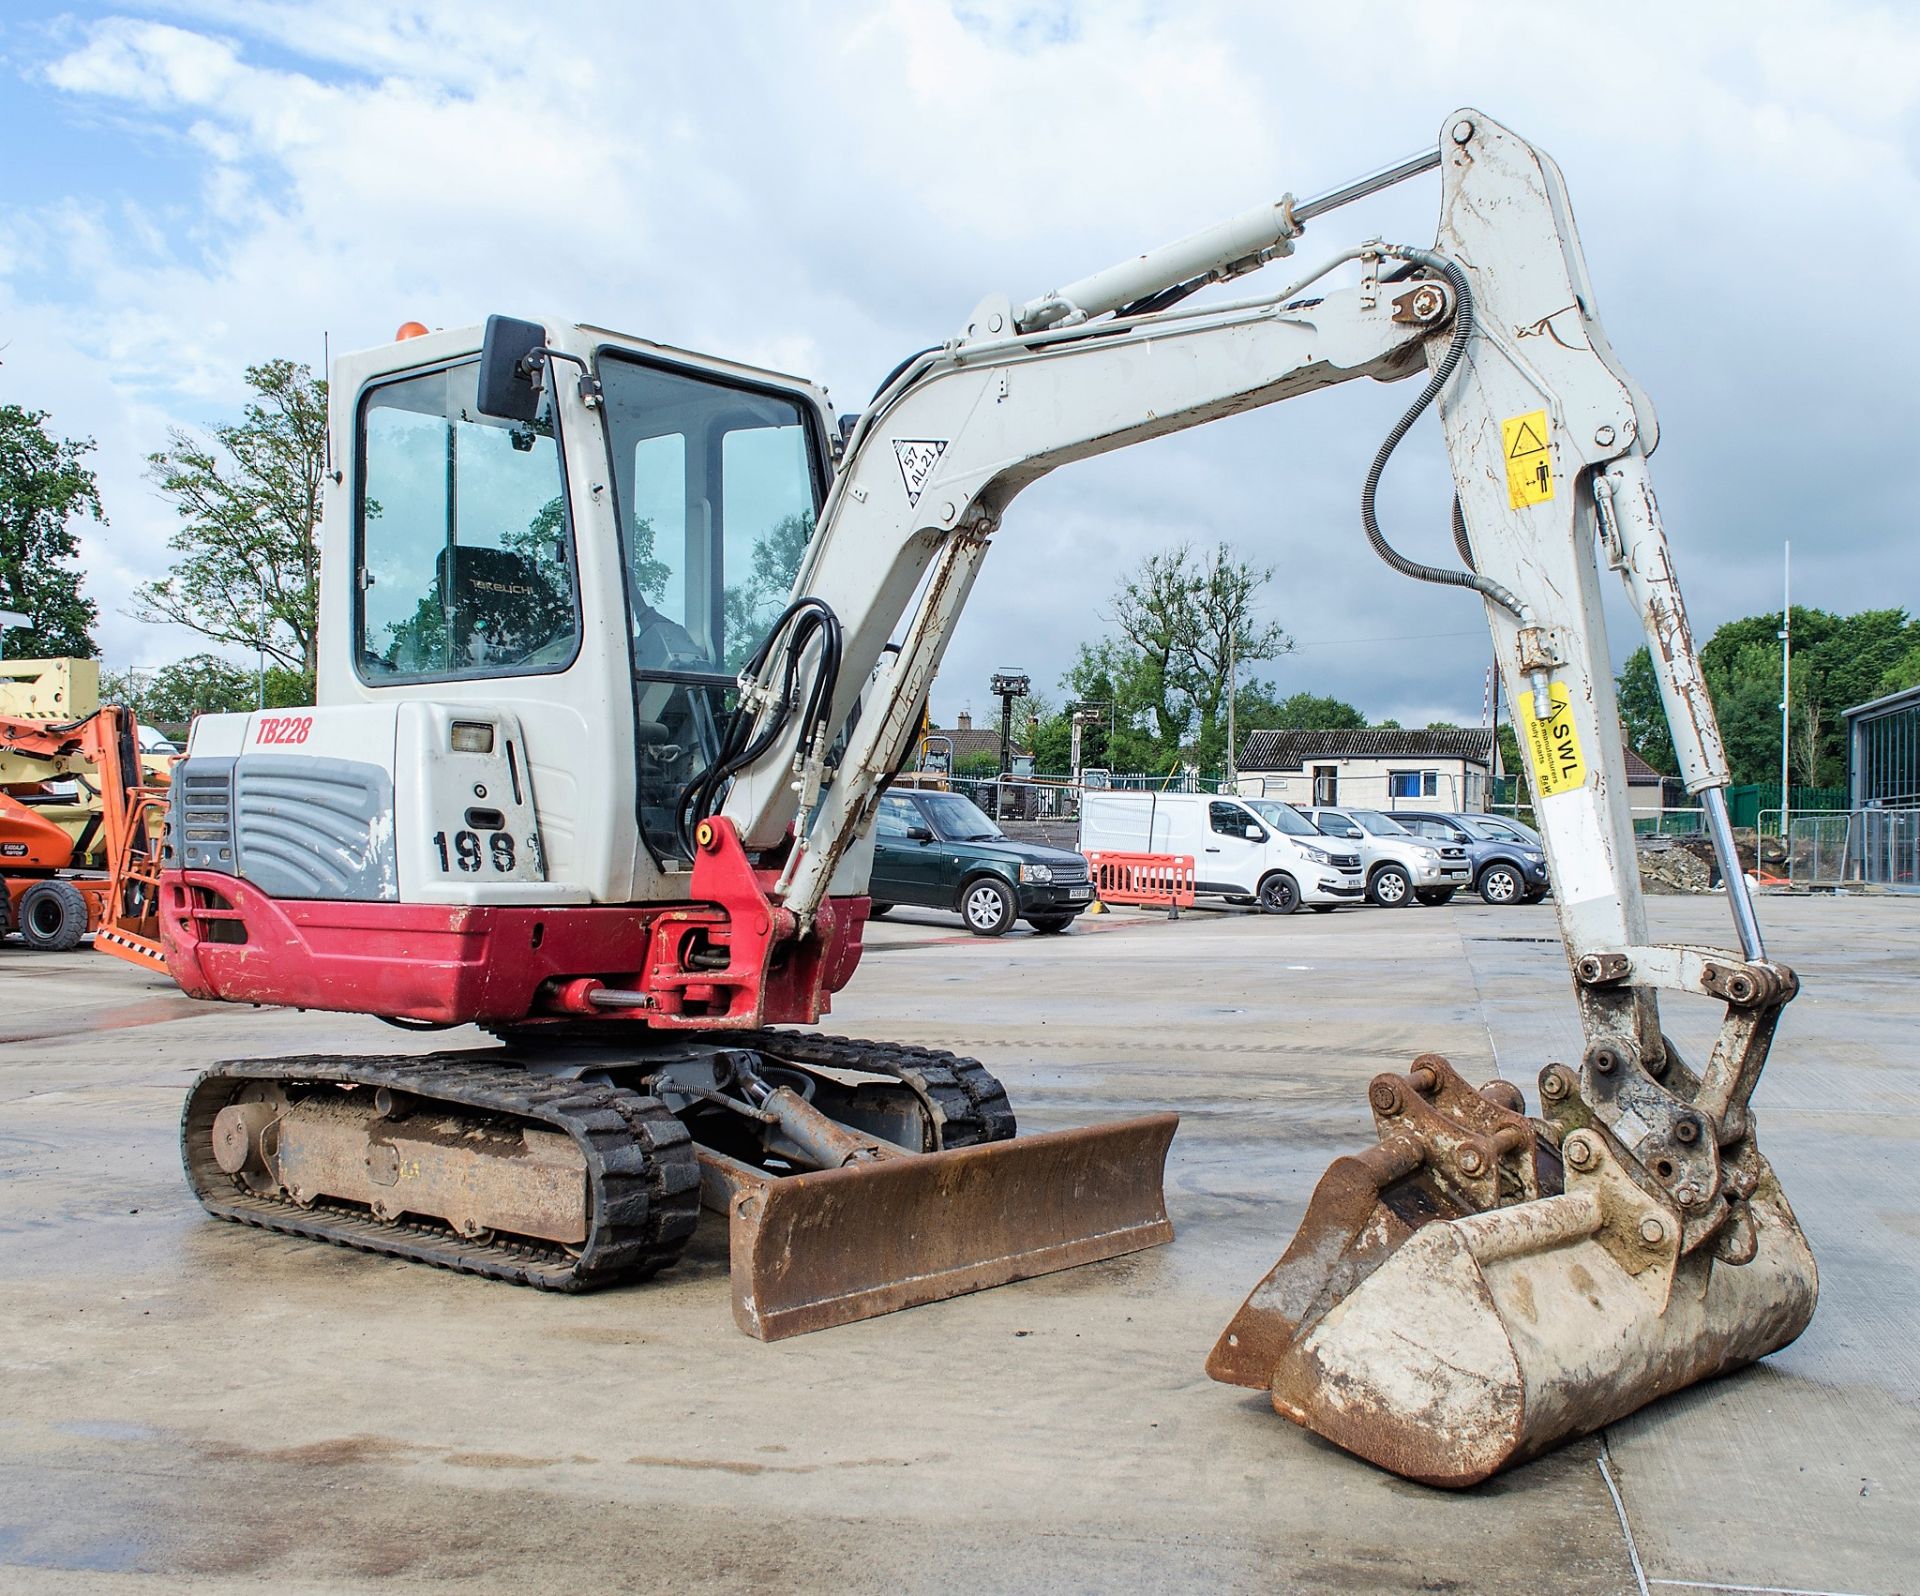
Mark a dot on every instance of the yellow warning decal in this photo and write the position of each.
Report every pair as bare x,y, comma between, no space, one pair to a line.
1553,744
1523,440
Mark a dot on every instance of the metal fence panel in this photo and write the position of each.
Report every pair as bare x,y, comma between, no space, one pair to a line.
1858,847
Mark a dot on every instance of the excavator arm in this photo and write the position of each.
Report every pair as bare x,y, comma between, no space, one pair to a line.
1644,1173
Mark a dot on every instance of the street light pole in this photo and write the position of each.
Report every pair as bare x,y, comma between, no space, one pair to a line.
1233,773
1786,680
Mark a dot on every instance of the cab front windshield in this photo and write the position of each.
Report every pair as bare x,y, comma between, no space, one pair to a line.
1282,817
716,487
1376,824
958,819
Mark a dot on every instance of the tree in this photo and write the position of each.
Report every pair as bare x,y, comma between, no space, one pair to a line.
1903,673
250,503
1311,712
201,684
1838,661
43,487
1643,719
1183,618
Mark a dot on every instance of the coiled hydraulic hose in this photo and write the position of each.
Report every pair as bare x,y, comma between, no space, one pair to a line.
1462,330
799,623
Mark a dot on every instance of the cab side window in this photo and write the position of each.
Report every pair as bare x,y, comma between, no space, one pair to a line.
465,552
1230,820
896,815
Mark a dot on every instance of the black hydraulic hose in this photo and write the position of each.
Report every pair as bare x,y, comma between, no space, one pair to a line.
1462,330
798,625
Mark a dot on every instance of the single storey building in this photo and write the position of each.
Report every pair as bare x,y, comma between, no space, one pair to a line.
1372,767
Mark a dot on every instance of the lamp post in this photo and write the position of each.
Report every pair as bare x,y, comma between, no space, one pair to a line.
1009,685
1786,680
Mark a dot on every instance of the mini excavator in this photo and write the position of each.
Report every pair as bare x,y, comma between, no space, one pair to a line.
587,770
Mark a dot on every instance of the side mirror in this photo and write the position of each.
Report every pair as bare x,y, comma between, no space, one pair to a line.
508,388
919,834
1253,833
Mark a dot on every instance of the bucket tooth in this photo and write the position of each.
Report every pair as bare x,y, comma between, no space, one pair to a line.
832,1246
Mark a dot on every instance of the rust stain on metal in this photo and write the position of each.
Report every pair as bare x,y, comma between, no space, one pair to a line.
829,1247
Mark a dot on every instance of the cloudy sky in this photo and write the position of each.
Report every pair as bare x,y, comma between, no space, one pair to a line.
193,186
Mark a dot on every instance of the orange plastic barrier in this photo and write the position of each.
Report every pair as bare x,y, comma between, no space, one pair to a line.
1163,880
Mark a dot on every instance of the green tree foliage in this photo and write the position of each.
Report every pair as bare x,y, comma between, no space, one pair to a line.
201,684
249,503
43,488
1902,673
1179,617
1306,712
1642,719
1189,616
1838,661
755,602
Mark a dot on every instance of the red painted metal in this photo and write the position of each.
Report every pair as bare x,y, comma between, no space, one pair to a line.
730,958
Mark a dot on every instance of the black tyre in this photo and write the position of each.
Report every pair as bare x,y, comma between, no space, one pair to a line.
6,911
1433,897
1279,894
53,916
879,911
1390,887
986,904
1050,925
1323,908
1501,884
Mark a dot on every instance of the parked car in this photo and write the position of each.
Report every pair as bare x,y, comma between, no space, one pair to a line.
937,850
1508,868
1400,868
1244,857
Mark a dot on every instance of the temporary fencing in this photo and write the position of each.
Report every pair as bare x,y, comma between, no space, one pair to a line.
1155,880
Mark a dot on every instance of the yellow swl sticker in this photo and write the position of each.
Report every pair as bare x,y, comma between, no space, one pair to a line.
1553,744
1523,440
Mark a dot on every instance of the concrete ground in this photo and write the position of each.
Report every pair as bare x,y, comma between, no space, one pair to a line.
192,1405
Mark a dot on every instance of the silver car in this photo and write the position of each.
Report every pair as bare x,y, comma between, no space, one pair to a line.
1400,867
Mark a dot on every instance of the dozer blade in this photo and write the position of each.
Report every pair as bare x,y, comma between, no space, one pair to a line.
829,1247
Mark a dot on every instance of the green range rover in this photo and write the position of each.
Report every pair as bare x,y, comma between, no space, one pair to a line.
938,850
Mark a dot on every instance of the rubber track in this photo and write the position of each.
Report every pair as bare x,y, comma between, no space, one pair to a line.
644,1180
969,1104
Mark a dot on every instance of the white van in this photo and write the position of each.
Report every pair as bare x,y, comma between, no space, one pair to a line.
1279,863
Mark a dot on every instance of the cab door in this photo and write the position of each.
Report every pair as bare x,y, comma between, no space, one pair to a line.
899,868
1234,848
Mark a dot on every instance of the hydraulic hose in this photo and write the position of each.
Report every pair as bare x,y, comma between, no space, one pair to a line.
1462,330
797,626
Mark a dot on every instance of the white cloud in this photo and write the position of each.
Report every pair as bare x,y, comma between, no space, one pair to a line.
823,188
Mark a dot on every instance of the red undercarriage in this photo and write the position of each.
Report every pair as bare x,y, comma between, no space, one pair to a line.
730,958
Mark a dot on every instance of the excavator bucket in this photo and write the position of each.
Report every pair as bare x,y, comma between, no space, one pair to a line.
827,1247
1446,1343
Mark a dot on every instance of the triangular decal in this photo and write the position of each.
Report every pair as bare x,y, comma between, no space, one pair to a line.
917,457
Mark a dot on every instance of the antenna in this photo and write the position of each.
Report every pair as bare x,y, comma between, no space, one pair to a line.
326,373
